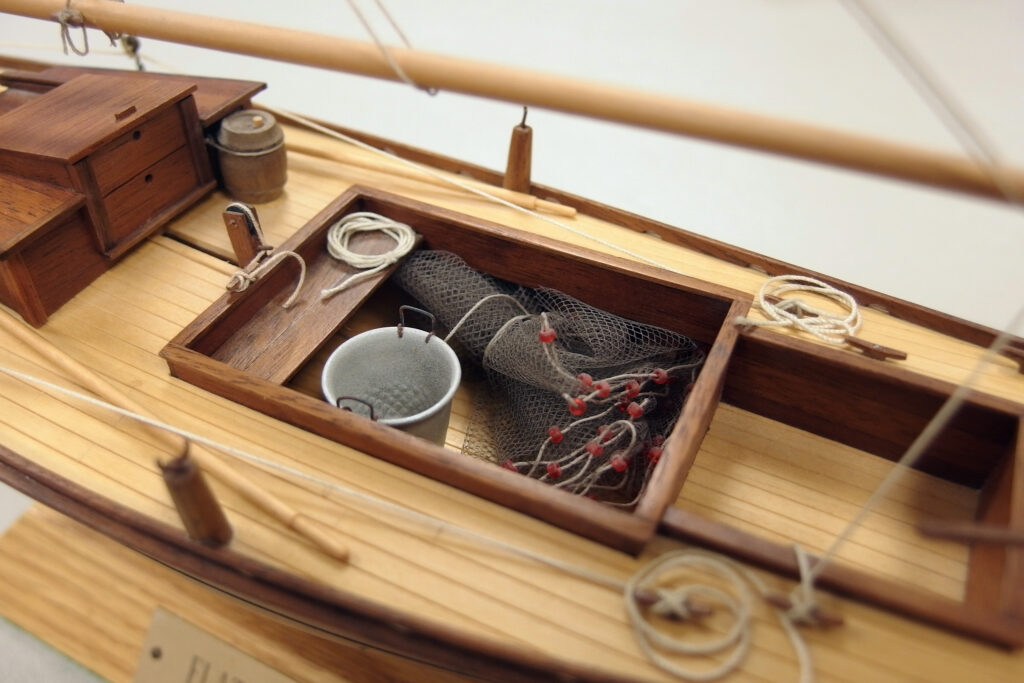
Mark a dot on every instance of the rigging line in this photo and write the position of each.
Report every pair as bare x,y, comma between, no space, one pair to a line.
924,439
395,66
945,107
946,111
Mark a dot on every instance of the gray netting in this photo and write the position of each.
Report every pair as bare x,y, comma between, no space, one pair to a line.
577,397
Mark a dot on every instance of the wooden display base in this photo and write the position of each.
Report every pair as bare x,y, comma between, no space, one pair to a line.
95,601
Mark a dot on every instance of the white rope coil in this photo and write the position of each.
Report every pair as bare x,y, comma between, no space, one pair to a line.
796,313
738,600
342,232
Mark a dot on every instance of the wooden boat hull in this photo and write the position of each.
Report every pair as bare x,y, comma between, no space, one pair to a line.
785,376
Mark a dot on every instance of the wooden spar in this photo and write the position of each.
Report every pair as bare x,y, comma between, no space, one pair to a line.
208,461
617,104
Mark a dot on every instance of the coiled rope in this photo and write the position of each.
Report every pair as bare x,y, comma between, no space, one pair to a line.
799,314
738,600
341,233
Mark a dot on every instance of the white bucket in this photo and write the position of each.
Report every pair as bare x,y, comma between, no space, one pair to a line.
407,378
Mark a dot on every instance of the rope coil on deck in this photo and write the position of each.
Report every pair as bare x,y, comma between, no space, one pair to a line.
341,233
674,603
796,313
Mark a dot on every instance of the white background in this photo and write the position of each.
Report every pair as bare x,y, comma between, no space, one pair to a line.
802,59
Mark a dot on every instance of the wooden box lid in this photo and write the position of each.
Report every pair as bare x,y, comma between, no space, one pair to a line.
74,119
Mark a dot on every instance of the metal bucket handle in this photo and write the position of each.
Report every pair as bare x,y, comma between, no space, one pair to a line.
369,405
401,320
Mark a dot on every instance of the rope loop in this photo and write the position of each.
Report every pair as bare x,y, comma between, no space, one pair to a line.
69,18
673,603
260,265
799,314
341,233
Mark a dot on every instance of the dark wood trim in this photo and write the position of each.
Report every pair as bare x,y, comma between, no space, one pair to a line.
875,406
995,577
699,410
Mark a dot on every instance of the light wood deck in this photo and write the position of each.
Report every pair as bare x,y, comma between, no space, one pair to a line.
751,472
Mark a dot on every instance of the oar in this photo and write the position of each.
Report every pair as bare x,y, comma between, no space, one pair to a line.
209,462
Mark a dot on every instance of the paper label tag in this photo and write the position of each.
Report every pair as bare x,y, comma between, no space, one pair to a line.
179,652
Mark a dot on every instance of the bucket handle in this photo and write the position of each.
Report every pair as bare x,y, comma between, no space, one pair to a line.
401,320
369,405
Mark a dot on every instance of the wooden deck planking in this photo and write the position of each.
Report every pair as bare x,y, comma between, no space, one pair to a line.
535,605
92,586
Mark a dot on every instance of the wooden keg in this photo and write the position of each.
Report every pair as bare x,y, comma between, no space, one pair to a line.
253,163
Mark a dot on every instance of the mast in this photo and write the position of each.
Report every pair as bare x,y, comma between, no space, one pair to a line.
520,86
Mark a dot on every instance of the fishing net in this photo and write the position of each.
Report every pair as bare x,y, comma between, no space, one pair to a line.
575,396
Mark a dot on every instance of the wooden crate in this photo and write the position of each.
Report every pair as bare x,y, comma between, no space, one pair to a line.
246,346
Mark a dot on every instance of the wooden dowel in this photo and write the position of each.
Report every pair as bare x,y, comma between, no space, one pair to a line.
520,157
209,462
527,201
623,105
972,532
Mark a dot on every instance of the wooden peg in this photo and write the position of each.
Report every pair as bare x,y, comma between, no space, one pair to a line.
199,510
972,532
818,616
244,232
520,151
876,351
697,608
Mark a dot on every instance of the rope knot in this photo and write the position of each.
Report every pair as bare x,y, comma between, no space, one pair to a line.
801,606
241,279
675,604
69,18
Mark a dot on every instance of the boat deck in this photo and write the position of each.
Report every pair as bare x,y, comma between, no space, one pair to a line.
751,472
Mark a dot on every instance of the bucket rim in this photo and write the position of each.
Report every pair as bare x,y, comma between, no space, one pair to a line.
417,335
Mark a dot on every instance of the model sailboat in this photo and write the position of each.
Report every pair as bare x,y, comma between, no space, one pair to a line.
777,440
